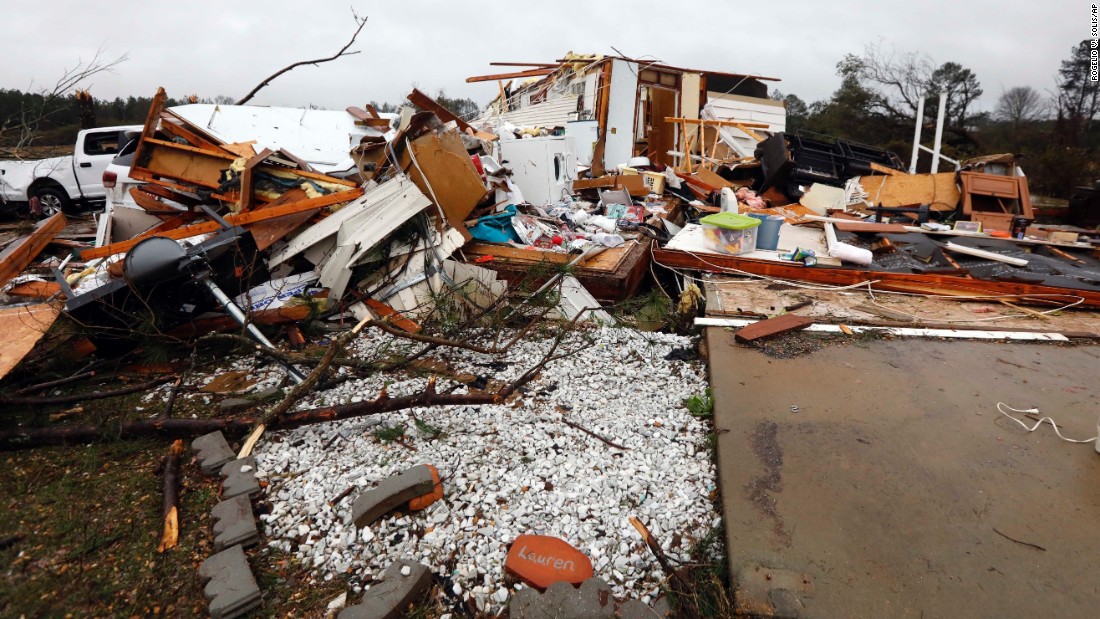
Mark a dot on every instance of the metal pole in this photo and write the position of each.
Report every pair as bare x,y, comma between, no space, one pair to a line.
916,136
238,314
939,133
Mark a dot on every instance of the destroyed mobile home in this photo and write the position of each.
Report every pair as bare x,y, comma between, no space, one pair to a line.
586,182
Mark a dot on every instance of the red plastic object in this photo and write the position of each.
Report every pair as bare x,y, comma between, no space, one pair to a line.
483,259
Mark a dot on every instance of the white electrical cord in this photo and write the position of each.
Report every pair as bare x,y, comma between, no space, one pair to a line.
1001,406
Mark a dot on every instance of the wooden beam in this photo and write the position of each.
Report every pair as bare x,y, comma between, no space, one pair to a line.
239,219
175,127
22,252
544,65
772,326
429,104
246,178
513,75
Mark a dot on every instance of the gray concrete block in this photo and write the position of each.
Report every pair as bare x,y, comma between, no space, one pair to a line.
233,467
234,523
213,451
563,601
230,587
240,484
662,607
390,598
634,609
231,404
391,494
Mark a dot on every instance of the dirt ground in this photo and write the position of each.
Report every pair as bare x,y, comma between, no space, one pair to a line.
882,469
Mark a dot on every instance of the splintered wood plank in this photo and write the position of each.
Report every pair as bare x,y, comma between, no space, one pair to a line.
772,326
20,329
151,202
265,233
239,219
388,313
22,252
605,261
923,283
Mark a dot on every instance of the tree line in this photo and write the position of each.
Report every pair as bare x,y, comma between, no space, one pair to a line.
63,116
1052,132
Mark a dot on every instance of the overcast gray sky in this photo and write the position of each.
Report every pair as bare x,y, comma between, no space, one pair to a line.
213,48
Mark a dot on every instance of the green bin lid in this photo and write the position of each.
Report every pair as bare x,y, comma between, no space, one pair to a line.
731,221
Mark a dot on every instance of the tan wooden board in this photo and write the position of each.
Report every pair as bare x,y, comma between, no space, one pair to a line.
746,297
608,260
937,190
20,329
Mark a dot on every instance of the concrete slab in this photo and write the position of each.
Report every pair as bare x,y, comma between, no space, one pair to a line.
883,471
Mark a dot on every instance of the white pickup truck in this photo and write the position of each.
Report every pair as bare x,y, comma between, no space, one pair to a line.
52,185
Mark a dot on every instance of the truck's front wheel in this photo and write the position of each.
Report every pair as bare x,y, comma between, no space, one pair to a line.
51,201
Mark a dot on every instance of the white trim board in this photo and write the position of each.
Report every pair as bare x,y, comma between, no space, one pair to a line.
707,321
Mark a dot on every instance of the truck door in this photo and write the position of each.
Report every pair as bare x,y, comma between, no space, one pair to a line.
94,152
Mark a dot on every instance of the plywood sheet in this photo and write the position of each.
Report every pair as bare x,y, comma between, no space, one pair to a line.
937,190
20,329
444,173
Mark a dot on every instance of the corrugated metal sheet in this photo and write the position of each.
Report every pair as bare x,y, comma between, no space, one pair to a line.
747,110
321,137
551,113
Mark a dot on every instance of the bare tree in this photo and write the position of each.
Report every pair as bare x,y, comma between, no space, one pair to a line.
1020,105
30,117
902,78
359,23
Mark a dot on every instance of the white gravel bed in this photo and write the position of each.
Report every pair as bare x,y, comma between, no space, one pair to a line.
507,469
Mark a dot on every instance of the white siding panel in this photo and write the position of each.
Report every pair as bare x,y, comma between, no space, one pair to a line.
746,110
552,113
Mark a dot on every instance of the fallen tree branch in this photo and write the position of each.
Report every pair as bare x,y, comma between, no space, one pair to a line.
659,553
27,438
57,383
170,505
301,389
1021,542
81,397
359,21
594,435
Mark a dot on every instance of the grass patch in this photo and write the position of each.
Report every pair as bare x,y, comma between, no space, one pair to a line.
390,434
701,405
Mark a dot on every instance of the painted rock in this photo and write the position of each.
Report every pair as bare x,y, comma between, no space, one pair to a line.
541,561
421,502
